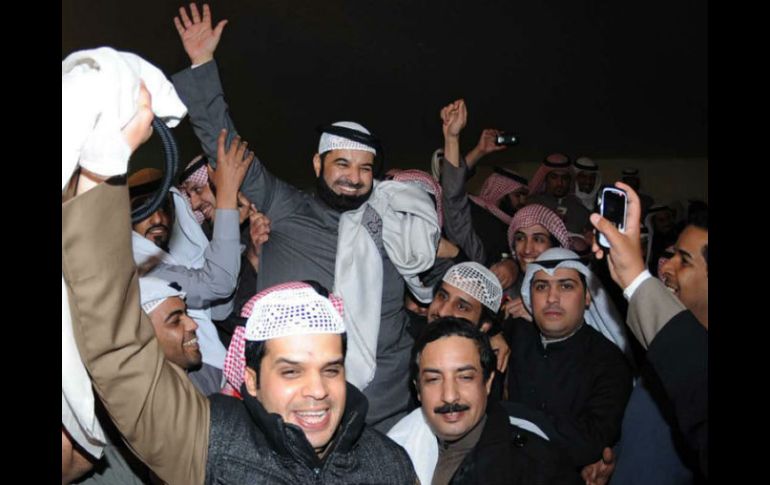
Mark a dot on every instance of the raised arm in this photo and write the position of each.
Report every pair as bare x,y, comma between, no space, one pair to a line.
201,91
484,147
457,210
157,409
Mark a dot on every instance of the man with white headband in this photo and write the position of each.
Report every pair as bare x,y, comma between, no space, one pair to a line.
364,238
552,186
175,331
588,181
563,369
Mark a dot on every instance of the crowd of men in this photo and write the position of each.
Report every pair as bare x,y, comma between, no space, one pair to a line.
387,327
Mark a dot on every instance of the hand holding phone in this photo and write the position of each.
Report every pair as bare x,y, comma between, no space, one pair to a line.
506,139
613,206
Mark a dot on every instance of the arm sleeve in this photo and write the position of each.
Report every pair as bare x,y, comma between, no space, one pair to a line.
217,279
200,89
162,416
457,212
679,355
650,307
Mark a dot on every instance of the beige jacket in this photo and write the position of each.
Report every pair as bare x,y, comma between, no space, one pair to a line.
155,406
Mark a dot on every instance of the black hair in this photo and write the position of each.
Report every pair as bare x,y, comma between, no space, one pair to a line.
698,216
449,327
255,350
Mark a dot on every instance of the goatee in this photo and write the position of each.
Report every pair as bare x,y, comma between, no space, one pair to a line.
339,202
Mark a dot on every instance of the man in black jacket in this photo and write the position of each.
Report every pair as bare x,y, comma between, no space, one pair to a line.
458,435
562,370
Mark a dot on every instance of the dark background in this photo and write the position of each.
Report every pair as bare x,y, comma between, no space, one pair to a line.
604,79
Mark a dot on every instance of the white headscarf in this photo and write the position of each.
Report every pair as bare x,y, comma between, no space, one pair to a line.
601,314
100,88
585,164
187,247
410,233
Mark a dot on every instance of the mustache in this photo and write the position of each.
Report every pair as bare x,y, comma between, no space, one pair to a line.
451,408
156,226
551,308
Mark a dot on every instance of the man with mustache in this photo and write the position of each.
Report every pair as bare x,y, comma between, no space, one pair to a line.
362,238
156,227
459,435
563,370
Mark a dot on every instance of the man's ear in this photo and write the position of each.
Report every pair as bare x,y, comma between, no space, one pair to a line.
588,299
485,326
250,379
317,164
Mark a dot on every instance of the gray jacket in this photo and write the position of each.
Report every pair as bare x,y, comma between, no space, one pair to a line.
303,244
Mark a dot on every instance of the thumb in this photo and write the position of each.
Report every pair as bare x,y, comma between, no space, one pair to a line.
219,28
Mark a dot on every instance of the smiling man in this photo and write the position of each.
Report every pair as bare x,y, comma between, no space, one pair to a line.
363,238
460,436
157,226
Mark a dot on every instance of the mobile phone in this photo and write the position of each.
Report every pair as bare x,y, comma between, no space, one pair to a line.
505,139
613,206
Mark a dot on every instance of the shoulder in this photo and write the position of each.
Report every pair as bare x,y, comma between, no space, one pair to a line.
383,453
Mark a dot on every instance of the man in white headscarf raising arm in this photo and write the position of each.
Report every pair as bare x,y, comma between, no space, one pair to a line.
364,238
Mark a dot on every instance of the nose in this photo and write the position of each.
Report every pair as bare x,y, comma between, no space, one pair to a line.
190,324
156,218
528,246
354,176
449,391
669,267
553,293
195,199
314,386
445,309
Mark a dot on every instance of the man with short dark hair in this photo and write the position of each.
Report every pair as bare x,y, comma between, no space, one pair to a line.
458,435
664,437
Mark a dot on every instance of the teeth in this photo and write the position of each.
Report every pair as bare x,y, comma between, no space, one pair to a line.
312,417
190,343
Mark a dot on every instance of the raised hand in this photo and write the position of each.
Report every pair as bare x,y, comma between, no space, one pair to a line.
231,169
625,255
198,38
453,118
515,309
506,271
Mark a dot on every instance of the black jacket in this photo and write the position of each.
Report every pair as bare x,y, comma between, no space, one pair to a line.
248,445
581,385
509,455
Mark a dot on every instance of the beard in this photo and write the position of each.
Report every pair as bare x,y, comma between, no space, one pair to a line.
339,202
